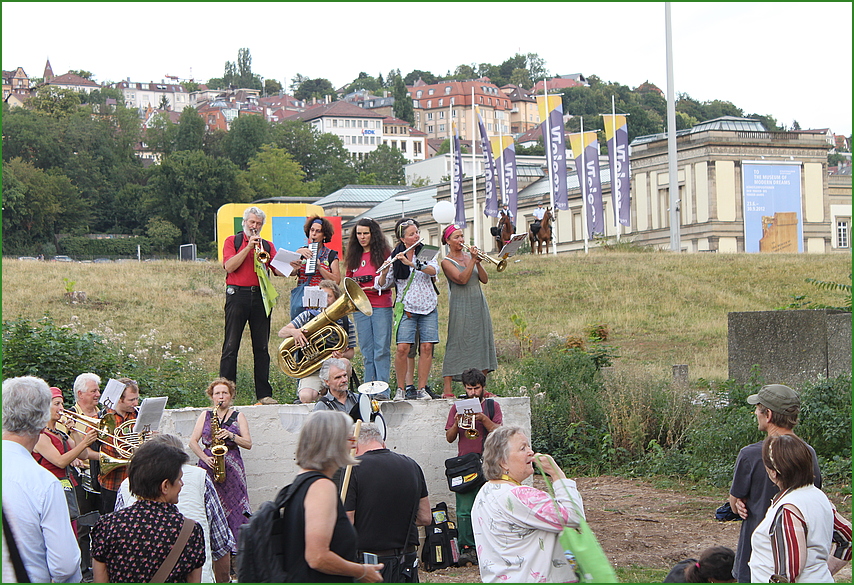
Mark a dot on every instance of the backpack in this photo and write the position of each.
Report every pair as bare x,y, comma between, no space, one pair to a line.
261,541
440,548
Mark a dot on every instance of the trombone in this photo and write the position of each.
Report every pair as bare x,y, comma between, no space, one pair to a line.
500,265
260,252
391,260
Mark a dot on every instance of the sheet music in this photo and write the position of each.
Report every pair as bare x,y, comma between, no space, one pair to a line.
472,404
150,413
427,253
513,245
112,393
282,261
313,297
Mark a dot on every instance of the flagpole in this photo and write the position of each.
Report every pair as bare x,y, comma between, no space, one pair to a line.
477,218
504,198
613,171
583,184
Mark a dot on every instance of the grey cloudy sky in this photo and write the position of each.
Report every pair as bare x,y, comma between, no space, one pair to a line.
788,60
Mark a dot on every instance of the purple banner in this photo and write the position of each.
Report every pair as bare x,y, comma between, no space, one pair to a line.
592,188
618,157
491,208
509,184
457,183
555,142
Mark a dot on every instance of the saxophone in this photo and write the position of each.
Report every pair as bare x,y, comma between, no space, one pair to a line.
218,448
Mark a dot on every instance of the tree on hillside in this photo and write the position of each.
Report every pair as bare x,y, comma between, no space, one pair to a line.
314,88
164,103
188,187
364,81
464,72
213,144
386,164
416,74
274,173
272,87
35,138
316,153
164,235
190,134
522,78
403,108
81,73
160,134
190,86
245,138
54,101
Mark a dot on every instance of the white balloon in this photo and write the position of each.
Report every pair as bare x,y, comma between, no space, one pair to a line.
444,212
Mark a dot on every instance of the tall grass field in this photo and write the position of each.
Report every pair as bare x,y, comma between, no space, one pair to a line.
659,309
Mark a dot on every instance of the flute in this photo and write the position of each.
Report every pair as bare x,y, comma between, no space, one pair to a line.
390,261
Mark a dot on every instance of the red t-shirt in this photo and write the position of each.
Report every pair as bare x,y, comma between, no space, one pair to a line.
378,299
245,273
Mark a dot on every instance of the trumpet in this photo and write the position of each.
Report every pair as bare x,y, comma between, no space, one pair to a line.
260,252
500,265
390,261
468,425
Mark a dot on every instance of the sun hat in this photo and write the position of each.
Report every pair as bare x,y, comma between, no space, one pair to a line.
778,398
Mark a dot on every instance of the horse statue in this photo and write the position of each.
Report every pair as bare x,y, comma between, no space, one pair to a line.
541,234
503,231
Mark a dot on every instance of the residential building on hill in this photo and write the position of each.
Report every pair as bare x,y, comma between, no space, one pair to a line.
441,105
142,95
379,104
16,82
398,134
560,82
73,82
524,114
360,130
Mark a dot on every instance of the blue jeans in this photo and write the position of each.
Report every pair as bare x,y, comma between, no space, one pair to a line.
375,342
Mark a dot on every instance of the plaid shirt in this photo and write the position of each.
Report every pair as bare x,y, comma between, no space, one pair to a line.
114,479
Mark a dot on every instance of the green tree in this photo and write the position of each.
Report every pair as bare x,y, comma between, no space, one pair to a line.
403,107
247,134
463,72
164,235
190,86
35,138
54,101
187,188
81,73
272,87
161,133
385,164
217,83
364,81
416,74
213,144
190,134
244,76
314,88
316,153
273,172
164,103
522,78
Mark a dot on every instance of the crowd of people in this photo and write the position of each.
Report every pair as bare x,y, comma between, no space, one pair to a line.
81,501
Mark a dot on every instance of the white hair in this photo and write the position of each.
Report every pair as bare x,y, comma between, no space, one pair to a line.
81,381
254,211
26,405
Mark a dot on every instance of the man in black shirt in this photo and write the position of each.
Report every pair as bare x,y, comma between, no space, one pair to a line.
386,500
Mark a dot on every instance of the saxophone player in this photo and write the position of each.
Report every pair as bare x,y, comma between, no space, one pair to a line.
234,430
310,386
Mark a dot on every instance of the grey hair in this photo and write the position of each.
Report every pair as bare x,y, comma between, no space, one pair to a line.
496,449
82,379
322,443
168,439
26,405
254,211
339,363
369,432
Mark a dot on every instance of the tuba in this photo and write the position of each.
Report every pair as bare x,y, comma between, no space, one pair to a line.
323,334
218,448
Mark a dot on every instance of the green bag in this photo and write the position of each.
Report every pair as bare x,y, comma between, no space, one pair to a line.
398,307
581,544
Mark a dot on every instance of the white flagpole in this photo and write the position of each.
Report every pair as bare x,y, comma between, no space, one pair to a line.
477,218
583,184
617,223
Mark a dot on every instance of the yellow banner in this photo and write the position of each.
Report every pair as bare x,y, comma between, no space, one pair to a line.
611,125
554,101
576,143
499,143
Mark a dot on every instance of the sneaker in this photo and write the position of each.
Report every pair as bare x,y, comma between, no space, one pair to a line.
433,395
411,392
467,557
422,395
266,400
398,395
383,395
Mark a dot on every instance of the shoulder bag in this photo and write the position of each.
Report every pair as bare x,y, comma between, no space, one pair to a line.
175,553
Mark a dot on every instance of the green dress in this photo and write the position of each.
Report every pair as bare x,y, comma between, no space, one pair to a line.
470,340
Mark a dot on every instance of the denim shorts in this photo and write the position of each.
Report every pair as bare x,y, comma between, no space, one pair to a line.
426,325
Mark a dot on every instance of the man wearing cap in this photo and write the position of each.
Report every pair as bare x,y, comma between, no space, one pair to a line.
776,411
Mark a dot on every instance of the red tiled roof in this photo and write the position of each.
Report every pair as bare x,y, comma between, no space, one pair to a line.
339,108
72,79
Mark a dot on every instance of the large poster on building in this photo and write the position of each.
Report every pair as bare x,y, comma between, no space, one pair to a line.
772,207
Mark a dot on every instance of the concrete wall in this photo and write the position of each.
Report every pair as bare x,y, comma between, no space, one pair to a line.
790,347
415,428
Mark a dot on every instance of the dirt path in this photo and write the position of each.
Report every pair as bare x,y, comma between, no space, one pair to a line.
640,525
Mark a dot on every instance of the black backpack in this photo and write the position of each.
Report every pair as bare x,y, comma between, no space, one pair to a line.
261,541
440,548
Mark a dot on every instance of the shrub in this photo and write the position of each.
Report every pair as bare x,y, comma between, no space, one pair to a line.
825,417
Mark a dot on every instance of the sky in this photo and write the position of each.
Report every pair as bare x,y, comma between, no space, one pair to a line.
788,60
